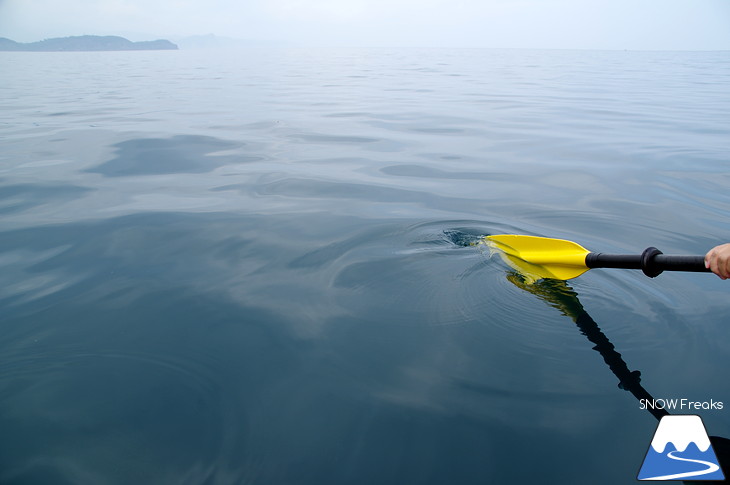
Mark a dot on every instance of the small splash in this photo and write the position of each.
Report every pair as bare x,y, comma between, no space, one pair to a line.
463,237
526,273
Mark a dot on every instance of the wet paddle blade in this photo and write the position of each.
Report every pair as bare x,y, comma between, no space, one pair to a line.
540,257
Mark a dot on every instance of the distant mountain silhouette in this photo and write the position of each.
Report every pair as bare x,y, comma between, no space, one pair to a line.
86,43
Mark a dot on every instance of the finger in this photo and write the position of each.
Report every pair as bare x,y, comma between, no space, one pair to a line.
725,269
722,271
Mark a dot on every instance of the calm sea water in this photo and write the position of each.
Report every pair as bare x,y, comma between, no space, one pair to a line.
255,267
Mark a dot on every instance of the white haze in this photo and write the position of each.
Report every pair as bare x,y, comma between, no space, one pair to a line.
571,24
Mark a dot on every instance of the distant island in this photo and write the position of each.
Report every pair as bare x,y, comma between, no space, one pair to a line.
86,43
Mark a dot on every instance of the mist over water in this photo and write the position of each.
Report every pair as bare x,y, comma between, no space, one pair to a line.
259,266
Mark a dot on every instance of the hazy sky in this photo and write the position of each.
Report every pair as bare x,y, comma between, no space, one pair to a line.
583,24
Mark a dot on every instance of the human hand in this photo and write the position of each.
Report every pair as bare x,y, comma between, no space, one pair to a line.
717,260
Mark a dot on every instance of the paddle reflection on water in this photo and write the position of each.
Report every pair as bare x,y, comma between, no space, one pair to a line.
559,295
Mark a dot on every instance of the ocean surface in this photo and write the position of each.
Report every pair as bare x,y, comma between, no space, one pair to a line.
262,266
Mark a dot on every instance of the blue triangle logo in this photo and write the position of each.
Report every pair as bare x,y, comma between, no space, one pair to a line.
680,450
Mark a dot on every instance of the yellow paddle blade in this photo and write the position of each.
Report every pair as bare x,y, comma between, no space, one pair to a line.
540,257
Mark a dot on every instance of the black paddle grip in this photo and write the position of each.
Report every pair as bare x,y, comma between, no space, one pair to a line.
652,262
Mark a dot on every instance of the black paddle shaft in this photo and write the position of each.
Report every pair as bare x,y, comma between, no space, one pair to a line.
652,262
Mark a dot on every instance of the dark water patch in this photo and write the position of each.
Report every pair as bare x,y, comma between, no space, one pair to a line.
178,154
315,190
338,142
422,171
435,156
314,138
347,115
431,127
439,131
22,197
308,188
